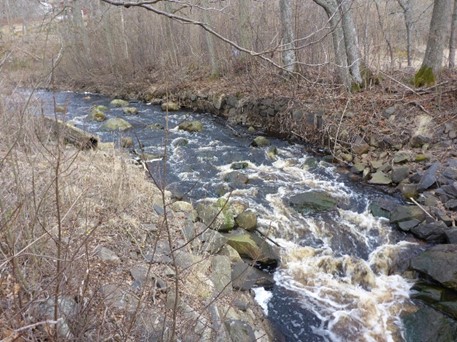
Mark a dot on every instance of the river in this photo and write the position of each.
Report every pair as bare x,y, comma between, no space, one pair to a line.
339,274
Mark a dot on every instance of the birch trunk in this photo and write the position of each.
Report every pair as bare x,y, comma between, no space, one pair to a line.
350,40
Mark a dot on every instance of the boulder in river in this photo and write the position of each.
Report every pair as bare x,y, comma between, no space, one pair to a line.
170,106
236,178
407,216
119,103
216,215
116,124
311,201
247,220
97,113
191,126
439,263
250,245
130,110
260,141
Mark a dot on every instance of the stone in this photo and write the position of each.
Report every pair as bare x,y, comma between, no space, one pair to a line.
406,226
117,297
378,165
439,263
429,325
251,129
119,103
433,232
245,277
126,142
236,178
440,298
107,255
212,241
191,126
451,235
239,165
247,220
347,157
229,251
419,140
451,189
360,146
170,106
399,173
358,167
451,204
380,178
404,213
130,110
239,331
450,172
68,311
221,275
216,216
182,206
116,124
97,113
180,142
409,190
311,201
401,157
155,127
429,177
388,112
420,157
272,153
218,101
260,141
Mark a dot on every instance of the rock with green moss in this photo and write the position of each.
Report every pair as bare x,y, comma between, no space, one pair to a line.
116,124
119,103
170,106
260,141
424,77
312,201
191,126
247,220
97,113
130,110
216,215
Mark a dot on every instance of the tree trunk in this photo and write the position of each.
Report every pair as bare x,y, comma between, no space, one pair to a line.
407,9
452,39
211,49
288,38
350,40
436,38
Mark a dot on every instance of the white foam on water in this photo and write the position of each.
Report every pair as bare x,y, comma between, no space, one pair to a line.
262,297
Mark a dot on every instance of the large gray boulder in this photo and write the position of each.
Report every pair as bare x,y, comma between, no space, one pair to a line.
439,263
119,103
429,177
245,277
217,216
116,124
433,232
191,126
407,216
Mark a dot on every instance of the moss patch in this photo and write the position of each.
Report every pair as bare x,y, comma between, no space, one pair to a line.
424,77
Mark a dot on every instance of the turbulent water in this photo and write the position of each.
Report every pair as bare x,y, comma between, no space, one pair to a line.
337,280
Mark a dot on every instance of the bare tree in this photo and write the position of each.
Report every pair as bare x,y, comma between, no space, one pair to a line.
407,10
289,58
433,58
453,37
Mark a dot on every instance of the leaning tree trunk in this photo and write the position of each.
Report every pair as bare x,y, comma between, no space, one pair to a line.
452,39
433,58
288,38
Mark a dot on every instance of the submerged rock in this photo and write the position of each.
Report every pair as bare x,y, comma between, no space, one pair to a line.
116,124
312,201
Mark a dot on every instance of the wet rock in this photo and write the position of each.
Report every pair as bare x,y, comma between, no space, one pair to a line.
360,146
236,178
97,113
409,190
126,142
260,141
399,173
429,325
429,177
439,263
382,208
130,110
239,165
311,201
119,103
247,220
239,331
451,235
107,255
272,152
170,106
408,225
358,167
401,157
380,178
191,126
116,124
433,232
404,213
251,246
440,298
245,277
180,142
451,204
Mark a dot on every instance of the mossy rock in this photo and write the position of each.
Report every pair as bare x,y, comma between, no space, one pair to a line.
119,103
170,106
260,141
191,126
97,113
116,124
130,110
424,77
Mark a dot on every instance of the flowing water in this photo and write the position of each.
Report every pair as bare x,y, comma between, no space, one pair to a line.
337,279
